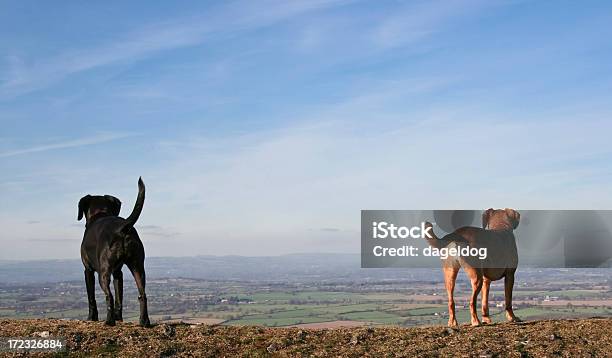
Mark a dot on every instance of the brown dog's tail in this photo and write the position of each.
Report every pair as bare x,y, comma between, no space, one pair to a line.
131,220
438,243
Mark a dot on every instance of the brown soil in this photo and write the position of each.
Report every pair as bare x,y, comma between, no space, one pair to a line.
331,324
567,338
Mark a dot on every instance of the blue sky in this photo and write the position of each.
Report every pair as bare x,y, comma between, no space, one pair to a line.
263,127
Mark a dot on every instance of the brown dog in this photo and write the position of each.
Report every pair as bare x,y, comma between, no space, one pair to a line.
497,237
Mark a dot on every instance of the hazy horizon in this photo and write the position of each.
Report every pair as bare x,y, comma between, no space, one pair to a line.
356,254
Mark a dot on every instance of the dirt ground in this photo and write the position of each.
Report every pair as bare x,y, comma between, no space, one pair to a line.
331,324
566,338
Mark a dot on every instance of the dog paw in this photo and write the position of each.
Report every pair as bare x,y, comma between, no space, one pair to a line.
110,322
476,324
453,324
486,320
510,317
145,322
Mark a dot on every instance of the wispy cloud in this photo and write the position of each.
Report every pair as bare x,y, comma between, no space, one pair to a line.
329,229
100,138
419,20
49,240
225,21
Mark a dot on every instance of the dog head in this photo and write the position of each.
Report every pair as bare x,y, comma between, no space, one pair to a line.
91,205
500,219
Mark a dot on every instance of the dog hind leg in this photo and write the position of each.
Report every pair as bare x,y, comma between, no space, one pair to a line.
450,276
118,285
104,278
508,286
139,276
475,276
90,284
486,284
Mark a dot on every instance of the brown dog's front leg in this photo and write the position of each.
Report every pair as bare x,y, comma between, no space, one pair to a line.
508,286
90,284
486,284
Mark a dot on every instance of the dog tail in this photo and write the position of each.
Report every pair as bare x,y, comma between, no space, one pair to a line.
131,220
438,243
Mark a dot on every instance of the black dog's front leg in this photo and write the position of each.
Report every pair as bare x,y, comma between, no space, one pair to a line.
110,304
91,295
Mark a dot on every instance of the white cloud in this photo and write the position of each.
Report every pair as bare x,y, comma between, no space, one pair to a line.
223,21
80,142
419,20
266,191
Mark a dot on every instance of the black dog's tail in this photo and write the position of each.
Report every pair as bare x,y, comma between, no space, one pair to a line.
438,243
131,220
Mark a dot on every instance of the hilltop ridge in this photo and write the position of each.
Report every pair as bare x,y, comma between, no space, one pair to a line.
580,337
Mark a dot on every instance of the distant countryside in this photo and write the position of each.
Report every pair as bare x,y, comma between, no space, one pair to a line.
313,291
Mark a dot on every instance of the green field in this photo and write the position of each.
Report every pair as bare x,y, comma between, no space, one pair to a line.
387,314
287,305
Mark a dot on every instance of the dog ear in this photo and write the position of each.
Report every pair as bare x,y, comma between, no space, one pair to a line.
485,217
114,204
83,206
514,217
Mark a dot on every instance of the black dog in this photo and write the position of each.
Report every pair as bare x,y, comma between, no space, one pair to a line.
110,242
